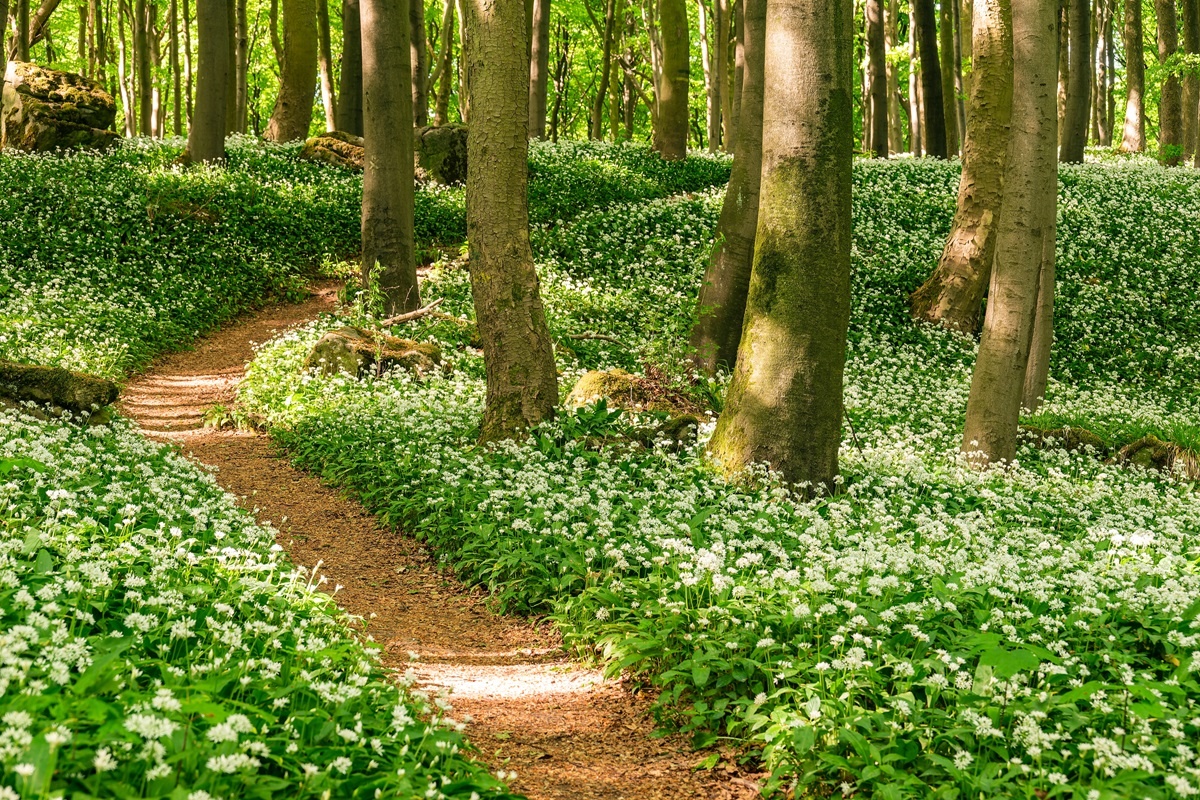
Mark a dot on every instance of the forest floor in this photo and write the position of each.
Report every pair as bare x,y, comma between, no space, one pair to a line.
567,732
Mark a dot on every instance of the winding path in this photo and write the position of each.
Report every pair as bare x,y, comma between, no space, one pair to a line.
567,732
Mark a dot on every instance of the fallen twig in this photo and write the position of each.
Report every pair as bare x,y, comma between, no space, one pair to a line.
411,315
598,337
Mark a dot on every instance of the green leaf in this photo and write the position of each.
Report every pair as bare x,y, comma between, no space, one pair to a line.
708,763
1006,663
803,739
700,673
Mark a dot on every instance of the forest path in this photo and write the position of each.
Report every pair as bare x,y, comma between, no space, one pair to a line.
567,732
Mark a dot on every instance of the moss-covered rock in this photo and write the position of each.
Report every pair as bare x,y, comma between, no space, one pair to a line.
1068,438
361,352
55,388
441,153
43,110
1150,452
337,148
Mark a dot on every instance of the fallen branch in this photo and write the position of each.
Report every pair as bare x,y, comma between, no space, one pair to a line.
411,315
598,337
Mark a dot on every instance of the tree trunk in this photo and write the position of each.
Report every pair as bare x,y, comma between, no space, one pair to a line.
141,60
187,61
22,35
915,134
892,39
464,76
960,83
1024,237
522,386
176,77
1079,84
947,59
156,104
739,67
124,78
539,68
933,120
596,131
711,93
671,130
241,61
441,114
1191,82
562,77
1170,104
350,91
298,76
206,139
4,27
388,254
952,295
877,77
784,405
420,67
1064,64
231,92
722,304
100,36
721,19
1104,42
325,64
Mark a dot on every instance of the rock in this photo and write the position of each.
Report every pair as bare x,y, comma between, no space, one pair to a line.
441,153
54,387
43,109
1153,453
677,421
1068,438
337,148
360,352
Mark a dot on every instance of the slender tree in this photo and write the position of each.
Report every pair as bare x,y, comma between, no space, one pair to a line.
443,74
176,75
1134,137
4,26
298,75
785,399
948,58
539,68
877,77
1191,81
895,116
1025,238
933,116
325,64
522,386
1079,83
916,137
1170,104
143,79
671,121
722,304
420,62
241,68
952,296
349,103
605,28
206,138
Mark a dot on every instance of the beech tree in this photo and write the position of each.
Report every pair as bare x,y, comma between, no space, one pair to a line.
522,385
298,73
1170,103
539,68
784,405
722,303
206,137
1079,84
350,90
325,63
953,294
933,108
671,119
1133,139
1190,93
1024,241
877,77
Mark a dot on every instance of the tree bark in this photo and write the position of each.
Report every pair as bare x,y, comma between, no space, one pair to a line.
947,59
298,76
892,39
206,139
1079,84
176,76
1191,82
4,26
241,53
596,129
187,62
952,295
539,68
350,104
1024,238
933,120
721,18
671,128
522,386
722,304
712,103
915,134
325,64
420,67
21,40
388,254
739,66
445,69
784,405
877,77
141,61
124,78
1170,104
1064,64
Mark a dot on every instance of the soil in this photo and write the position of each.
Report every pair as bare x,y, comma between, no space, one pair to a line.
567,731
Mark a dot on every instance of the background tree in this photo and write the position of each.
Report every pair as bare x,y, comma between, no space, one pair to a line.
948,59
206,138
1170,103
522,385
784,405
325,65
933,109
1079,83
1024,238
298,77
1190,93
953,294
877,77
1133,139
420,62
350,104
671,120
539,66
722,304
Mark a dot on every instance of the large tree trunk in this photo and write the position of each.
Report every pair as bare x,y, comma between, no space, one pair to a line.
1024,237
143,77
420,67
539,68
933,119
522,386
187,62
1170,104
388,254
206,139
350,104
877,77
951,297
298,76
671,120
784,405
176,75
325,64
947,59
21,39
596,130
723,20
1079,83
231,92
1191,82
722,304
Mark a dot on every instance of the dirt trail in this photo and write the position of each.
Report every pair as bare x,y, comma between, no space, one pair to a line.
567,732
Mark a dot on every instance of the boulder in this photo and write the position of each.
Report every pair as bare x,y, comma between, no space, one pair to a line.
59,389
1066,437
1153,453
677,418
441,153
361,352
43,110
337,148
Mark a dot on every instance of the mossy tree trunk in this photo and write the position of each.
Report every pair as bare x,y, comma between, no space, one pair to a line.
877,77
292,115
1133,139
933,108
671,120
1023,240
722,304
387,211
784,406
350,89
206,138
522,386
1191,81
1079,83
1170,103
953,294
325,64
